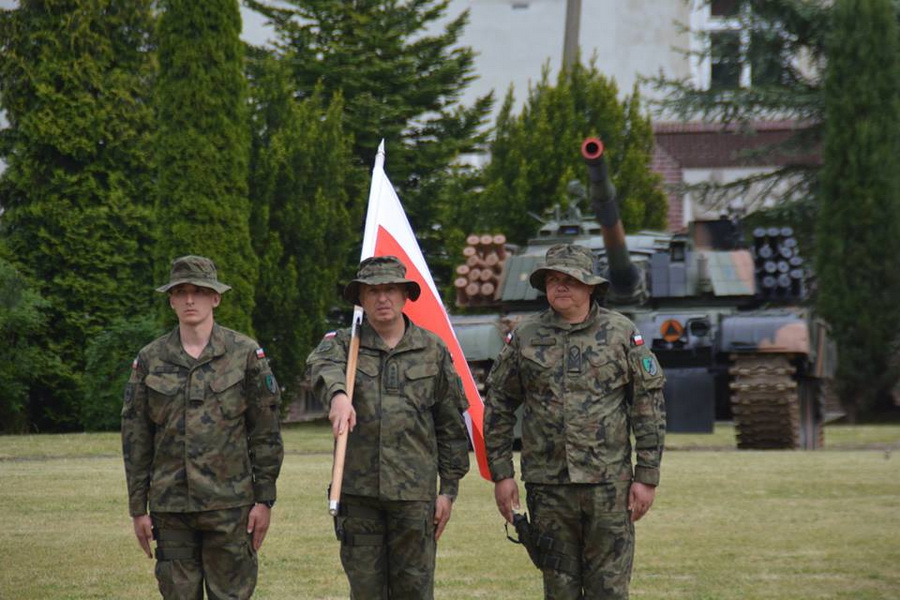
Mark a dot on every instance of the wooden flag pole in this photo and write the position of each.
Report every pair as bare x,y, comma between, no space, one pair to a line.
340,446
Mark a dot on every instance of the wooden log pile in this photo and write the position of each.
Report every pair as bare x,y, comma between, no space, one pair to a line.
477,280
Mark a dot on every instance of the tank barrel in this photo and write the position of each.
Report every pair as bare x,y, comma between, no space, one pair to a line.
626,282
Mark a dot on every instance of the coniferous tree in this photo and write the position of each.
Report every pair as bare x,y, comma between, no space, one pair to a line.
400,82
530,171
203,148
304,189
859,213
75,85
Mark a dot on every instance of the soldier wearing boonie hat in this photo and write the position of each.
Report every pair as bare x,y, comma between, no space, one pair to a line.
381,270
407,436
588,384
197,270
572,260
201,444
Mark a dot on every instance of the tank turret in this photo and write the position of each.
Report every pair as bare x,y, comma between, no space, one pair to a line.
627,284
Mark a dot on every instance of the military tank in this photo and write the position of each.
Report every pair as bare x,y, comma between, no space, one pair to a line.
726,319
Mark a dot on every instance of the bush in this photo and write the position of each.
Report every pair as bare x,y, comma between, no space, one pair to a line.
108,365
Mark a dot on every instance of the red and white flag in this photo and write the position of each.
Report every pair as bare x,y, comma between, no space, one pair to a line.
388,233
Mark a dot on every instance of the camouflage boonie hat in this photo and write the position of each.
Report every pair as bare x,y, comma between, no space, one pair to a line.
379,270
197,270
572,260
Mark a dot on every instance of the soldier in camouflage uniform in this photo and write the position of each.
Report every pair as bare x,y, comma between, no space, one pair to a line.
588,383
406,430
202,445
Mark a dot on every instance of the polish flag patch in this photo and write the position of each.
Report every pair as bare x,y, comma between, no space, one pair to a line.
329,335
637,339
260,353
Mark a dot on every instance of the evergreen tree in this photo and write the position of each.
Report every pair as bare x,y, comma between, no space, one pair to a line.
535,154
859,215
304,189
75,85
400,83
203,148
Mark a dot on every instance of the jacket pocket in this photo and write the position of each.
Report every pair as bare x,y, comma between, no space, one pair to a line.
607,373
229,394
419,388
161,393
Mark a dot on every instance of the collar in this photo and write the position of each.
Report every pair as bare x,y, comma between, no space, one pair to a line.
173,352
413,337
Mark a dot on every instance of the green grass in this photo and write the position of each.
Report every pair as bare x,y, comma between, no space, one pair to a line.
727,525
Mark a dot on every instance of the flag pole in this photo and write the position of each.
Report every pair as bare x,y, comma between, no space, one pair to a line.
368,248
340,446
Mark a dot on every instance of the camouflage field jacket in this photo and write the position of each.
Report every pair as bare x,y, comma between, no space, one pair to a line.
586,388
409,404
201,434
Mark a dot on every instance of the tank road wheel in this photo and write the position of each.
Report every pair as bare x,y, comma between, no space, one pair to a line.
765,402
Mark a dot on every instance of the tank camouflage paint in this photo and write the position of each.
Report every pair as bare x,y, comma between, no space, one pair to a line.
728,321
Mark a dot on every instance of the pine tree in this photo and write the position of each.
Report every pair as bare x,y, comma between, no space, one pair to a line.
203,148
534,155
400,82
75,85
304,189
859,213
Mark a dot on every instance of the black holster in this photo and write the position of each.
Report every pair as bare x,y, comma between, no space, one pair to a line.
544,550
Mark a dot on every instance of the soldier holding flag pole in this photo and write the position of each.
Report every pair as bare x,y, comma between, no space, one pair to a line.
401,414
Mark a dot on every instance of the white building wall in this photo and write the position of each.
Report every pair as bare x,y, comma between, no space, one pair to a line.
515,39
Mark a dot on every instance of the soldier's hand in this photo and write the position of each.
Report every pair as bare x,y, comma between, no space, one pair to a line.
443,506
640,499
506,493
258,524
143,531
342,414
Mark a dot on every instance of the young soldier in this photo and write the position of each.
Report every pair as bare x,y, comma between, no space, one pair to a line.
202,445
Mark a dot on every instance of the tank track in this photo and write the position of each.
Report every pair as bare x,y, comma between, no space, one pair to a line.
765,401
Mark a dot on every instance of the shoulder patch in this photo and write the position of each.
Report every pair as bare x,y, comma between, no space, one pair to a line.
649,365
637,339
329,335
134,364
271,385
509,337
260,353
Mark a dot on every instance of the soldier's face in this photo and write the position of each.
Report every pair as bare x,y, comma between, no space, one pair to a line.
194,305
383,303
568,296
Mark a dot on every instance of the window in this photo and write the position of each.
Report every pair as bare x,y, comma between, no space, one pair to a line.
724,8
730,56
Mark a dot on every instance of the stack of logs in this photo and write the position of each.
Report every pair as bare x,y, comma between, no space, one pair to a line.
478,279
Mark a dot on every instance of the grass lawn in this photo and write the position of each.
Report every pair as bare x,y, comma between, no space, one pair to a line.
726,524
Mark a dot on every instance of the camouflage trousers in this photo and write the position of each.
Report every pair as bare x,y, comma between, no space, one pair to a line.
208,549
387,548
595,534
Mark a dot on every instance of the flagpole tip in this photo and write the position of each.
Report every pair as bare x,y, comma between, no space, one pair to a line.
379,156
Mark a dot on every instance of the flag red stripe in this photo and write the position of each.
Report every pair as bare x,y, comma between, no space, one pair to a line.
428,312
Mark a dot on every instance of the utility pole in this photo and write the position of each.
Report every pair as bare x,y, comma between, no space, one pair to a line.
573,25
